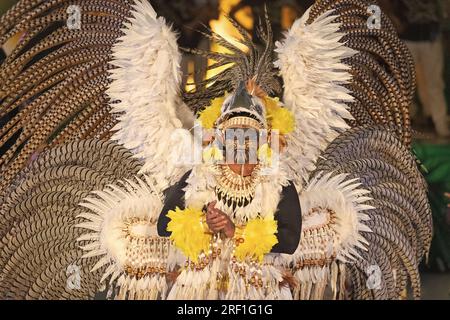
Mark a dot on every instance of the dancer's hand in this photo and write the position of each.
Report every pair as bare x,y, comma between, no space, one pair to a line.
218,221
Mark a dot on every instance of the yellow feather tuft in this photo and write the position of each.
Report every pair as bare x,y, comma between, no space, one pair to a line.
209,116
271,104
265,154
280,118
189,233
259,238
212,154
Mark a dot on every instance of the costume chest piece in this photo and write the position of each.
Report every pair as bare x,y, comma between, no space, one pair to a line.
234,190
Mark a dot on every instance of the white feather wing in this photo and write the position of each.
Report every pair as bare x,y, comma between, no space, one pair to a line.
144,93
310,60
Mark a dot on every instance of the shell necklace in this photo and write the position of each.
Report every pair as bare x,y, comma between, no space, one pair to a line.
233,189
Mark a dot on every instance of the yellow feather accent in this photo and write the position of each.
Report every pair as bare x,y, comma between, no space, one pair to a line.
212,154
271,104
265,154
259,238
189,233
209,116
280,118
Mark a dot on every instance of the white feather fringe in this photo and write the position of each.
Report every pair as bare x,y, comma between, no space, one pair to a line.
145,94
310,61
108,218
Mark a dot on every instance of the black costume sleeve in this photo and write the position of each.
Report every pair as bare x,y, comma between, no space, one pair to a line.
289,219
288,215
174,197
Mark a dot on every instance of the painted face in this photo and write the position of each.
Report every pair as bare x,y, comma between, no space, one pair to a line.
239,144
